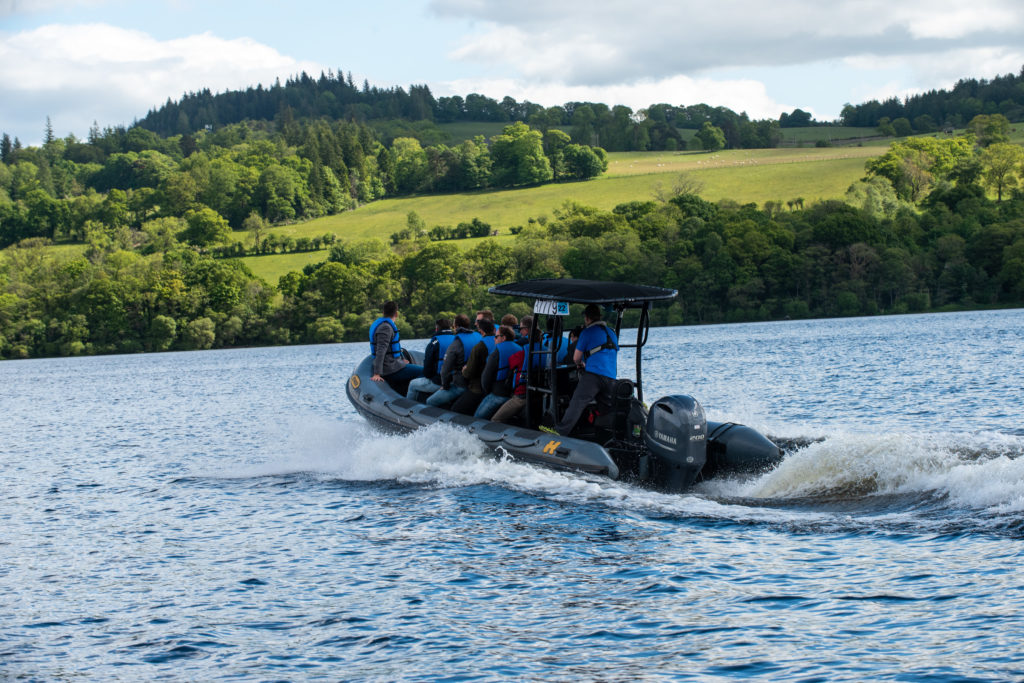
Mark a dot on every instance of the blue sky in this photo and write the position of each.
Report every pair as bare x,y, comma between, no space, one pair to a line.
110,61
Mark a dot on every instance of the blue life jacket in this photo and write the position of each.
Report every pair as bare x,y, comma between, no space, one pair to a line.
444,340
600,349
396,347
469,340
562,348
489,343
534,359
505,350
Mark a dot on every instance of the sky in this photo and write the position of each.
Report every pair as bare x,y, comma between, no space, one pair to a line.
111,61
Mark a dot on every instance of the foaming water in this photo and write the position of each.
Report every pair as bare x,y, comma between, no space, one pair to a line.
841,474
227,515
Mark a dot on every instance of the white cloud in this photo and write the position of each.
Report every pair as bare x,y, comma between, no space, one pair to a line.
590,42
915,74
78,74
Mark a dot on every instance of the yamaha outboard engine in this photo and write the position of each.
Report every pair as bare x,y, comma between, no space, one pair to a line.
676,436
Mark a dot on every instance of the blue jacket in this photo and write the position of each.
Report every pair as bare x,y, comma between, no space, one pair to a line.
433,357
600,349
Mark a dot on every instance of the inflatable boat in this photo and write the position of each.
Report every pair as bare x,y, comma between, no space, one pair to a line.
669,445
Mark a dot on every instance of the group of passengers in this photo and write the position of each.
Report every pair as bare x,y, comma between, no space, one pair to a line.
481,370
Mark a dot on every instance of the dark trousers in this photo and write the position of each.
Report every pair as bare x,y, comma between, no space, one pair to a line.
591,387
399,379
467,403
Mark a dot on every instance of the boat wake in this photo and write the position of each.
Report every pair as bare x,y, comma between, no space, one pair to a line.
905,478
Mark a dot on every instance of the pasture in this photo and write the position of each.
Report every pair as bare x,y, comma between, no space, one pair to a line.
742,175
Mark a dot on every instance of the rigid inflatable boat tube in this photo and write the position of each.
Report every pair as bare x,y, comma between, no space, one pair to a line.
737,448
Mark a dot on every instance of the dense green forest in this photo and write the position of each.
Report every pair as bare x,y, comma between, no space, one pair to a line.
938,109
214,181
614,128
336,97
919,233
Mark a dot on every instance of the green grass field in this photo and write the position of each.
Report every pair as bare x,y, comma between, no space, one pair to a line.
834,134
742,175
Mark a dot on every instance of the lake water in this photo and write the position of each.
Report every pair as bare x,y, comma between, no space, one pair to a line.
227,515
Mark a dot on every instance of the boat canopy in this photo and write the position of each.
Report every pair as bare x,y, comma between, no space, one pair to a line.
614,295
585,291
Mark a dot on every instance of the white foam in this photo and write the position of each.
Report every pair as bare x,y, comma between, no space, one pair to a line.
977,471
974,471
450,457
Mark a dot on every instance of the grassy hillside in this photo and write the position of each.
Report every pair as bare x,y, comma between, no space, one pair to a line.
742,175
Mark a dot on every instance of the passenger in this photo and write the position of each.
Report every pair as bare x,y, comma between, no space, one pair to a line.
452,382
525,325
517,401
562,344
574,337
496,380
595,356
422,387
470,399
388,363
485,314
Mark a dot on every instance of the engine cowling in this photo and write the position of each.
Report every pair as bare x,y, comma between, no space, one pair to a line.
676,437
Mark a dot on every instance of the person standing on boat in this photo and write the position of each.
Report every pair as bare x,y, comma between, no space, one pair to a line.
433,358
596,354
453,384
389,365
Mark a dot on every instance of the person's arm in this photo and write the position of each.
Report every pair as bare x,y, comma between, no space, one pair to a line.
490,372
382,344
451,359
430,358
476,362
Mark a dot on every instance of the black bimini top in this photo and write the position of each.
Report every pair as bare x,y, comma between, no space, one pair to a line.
584,291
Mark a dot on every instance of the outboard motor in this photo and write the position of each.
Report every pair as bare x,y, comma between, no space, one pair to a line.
737,448
676,436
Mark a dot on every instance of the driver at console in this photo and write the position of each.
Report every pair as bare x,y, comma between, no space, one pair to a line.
596,354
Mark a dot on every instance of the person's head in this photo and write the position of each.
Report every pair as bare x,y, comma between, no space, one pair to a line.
526,324
462,321
506,333
592,313
442,324
510,320
486,327
390,309
485,315
574,333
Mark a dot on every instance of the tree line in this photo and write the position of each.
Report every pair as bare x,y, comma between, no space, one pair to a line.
918,233
614,128
944,109
132,184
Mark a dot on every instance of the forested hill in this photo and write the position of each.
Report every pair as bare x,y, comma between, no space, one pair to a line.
615,128
330,96
936,109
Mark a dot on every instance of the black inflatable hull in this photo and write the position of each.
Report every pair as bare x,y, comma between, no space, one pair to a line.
383,407
676,450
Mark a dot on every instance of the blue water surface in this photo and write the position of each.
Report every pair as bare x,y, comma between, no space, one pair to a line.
227,515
